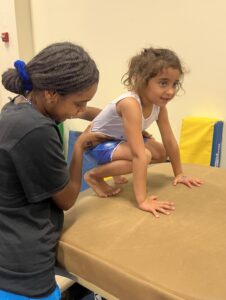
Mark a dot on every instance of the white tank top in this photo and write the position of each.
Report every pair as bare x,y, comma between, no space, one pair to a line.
110,123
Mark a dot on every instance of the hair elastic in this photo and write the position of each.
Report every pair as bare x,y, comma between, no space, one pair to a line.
21,69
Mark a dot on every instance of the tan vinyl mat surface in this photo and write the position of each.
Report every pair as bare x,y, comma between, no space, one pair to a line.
131,255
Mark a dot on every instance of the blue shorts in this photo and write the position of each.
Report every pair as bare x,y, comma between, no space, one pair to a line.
55,295
102,153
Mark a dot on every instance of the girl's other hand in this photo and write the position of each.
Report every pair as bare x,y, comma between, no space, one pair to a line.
151,204
188,181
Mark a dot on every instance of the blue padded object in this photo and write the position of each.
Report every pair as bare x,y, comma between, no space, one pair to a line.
217,144
88,162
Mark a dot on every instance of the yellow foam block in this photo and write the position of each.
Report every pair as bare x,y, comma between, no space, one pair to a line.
196,140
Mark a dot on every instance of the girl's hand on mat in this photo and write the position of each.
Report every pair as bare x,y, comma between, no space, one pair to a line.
188,181
151,204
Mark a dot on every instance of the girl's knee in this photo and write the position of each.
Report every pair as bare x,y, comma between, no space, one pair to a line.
161,155
91,172
148,156
157,154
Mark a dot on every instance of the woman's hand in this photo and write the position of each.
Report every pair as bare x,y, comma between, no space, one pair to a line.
188,181
88,139
151,204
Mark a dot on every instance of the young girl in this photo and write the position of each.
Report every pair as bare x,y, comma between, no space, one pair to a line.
36,185
153,79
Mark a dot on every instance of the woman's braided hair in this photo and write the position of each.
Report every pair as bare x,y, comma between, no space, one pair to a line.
61,67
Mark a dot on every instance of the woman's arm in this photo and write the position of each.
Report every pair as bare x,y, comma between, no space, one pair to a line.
89,114
66,198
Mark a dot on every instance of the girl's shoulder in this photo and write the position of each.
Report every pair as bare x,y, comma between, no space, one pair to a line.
128,94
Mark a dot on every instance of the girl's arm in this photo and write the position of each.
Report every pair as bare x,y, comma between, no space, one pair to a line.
131,114
172,150
130,111
169,141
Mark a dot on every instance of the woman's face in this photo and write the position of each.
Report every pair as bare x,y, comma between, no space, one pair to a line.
60,108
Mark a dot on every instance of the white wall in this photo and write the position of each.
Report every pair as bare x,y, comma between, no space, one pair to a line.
15,18
113,31
8,51
24,29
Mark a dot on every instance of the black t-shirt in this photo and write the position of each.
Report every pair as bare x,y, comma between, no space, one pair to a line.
32,169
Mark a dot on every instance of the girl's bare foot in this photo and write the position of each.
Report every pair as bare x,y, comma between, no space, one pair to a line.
120,179
100,187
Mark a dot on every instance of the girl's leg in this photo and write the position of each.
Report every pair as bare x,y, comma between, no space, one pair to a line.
121,152
158,154
157,150
94,177
120,179
121,164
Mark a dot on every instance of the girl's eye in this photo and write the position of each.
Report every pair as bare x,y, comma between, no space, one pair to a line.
176,85
163,83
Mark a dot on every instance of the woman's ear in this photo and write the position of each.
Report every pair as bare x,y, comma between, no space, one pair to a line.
51,97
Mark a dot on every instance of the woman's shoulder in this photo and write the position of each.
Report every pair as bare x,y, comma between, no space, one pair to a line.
22,119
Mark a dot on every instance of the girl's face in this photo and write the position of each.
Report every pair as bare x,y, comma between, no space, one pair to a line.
60,108
161,88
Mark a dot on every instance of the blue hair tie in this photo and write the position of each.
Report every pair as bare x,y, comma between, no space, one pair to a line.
21,69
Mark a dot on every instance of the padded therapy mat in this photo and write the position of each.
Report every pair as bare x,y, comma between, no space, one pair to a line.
131,255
